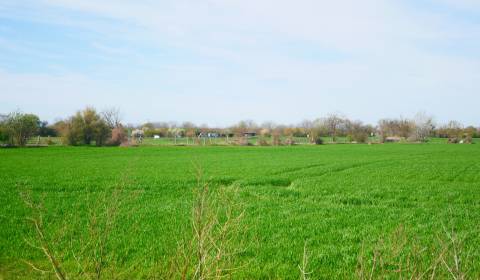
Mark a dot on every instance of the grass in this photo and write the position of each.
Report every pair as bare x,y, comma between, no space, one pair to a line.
332,203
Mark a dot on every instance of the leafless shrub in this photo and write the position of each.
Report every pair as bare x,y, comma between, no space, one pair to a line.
216,239
423,126
242,141
88,247
263,142
289,141
208,251
93,257
42,240
402,256
118,136
276,141
112,117
303,267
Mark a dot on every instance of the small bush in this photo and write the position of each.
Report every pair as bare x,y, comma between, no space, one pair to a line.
402,255
19,127
360,137
3,134
263,142
467,139
216,236
118,137
85,127
289,141
50,142
318,141
453,140
276,141
243,141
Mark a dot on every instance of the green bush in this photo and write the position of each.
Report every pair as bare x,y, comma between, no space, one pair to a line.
19,127
3,134
318,140
87,126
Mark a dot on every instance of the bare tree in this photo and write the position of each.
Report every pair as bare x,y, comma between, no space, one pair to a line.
395,127
243,127
267,129
112,117
453,130
423,127
333,122
357,131
307,127
190,129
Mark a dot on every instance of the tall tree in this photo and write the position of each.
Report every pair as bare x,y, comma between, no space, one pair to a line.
87,126
333,122
423,127
19,127
112,117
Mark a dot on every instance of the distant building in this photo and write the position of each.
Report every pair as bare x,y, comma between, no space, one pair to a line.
156,136
208,135
138,133
393,139
250,134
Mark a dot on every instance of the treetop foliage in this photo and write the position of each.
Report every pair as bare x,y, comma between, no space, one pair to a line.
87,127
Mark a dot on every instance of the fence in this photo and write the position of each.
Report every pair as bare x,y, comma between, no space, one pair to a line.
196,141
208,141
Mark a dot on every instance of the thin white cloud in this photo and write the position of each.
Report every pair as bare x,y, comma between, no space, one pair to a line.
392,57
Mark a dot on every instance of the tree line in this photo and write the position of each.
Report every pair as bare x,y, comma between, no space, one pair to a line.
90,127
86,127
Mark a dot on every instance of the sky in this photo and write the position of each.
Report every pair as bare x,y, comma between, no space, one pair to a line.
218,62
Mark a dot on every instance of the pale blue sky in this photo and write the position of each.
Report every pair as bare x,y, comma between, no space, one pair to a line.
221,61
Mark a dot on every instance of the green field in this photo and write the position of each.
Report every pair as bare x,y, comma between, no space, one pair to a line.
332,199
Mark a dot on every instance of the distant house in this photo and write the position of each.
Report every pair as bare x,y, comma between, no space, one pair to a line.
392,139
250,134
208,135
156,136
138,133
